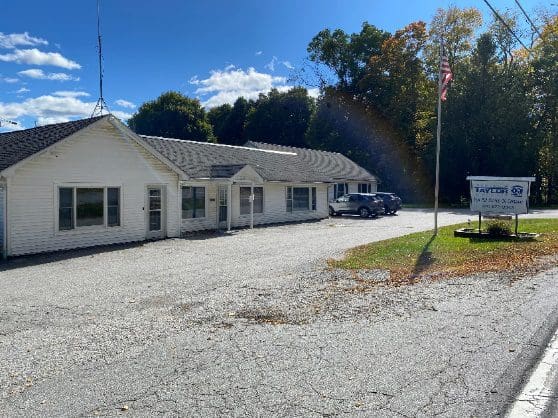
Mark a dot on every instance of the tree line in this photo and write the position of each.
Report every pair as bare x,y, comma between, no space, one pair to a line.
377,104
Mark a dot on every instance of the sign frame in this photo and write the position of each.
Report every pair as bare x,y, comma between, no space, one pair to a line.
500,195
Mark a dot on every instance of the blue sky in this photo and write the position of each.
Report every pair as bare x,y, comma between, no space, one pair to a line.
212,50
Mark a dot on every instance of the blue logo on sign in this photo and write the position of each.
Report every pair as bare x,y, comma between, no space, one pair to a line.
517,191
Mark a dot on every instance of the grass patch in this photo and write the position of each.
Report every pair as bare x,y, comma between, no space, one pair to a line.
413,256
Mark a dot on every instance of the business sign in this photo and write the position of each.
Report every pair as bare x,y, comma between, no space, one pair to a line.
504,195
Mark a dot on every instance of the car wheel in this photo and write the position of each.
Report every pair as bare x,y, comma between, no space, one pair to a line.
393,212
332,212
364,212
375,214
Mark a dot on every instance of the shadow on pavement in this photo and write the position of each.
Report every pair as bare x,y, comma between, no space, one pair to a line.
52,257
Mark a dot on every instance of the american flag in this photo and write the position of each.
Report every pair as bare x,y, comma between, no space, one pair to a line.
446,76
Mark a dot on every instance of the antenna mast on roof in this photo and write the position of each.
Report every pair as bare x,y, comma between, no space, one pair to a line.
7,122
101,104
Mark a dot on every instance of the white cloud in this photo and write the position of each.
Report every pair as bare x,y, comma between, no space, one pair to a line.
47,106
225,86
314,92
229,67
48,120
23,90
271,64
13,40
66,93
288,64
259,52
10,80
52,109
39,74
125,103
121,115
35,57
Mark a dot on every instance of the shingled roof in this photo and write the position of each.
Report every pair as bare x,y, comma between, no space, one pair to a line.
332,164
18,145
205,160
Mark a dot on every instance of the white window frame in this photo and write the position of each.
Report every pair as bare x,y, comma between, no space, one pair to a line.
336,193
240,205
206,207
291,200
368,188
79,229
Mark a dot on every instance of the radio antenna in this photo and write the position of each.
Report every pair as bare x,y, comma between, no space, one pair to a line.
7,122
101,104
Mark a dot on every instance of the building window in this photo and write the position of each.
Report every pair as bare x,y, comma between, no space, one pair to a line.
89,207
193,202
245,200
340,189
364,188
300,198
113,206
85,206
289,198
314,200
65,208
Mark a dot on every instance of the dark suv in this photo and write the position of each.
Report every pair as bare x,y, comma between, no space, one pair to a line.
363,204
392,202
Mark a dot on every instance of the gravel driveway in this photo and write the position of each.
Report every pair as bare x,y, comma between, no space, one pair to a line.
251,324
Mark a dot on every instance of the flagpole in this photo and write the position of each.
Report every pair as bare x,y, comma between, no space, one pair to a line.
438,131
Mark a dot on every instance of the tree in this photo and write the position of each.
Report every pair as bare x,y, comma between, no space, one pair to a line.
545,111
457,28
281,118
341,124
172,115
218,118
395,83
346,55
229,122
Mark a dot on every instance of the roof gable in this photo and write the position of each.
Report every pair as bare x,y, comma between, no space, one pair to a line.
17,146
331,164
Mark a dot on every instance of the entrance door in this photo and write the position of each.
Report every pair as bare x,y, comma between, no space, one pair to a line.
155,213
223,206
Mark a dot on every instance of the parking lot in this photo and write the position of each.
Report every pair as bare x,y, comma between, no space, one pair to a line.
253,323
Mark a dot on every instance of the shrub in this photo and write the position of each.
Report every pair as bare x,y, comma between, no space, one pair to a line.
498,228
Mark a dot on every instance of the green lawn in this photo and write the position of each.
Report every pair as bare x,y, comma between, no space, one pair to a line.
413,255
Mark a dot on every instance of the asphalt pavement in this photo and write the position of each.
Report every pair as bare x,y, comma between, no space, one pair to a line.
254,324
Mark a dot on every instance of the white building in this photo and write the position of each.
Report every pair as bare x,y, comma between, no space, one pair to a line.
95,182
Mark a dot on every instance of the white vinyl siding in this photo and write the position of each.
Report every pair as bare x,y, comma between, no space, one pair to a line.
97,156
275,210
245,200
356,187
